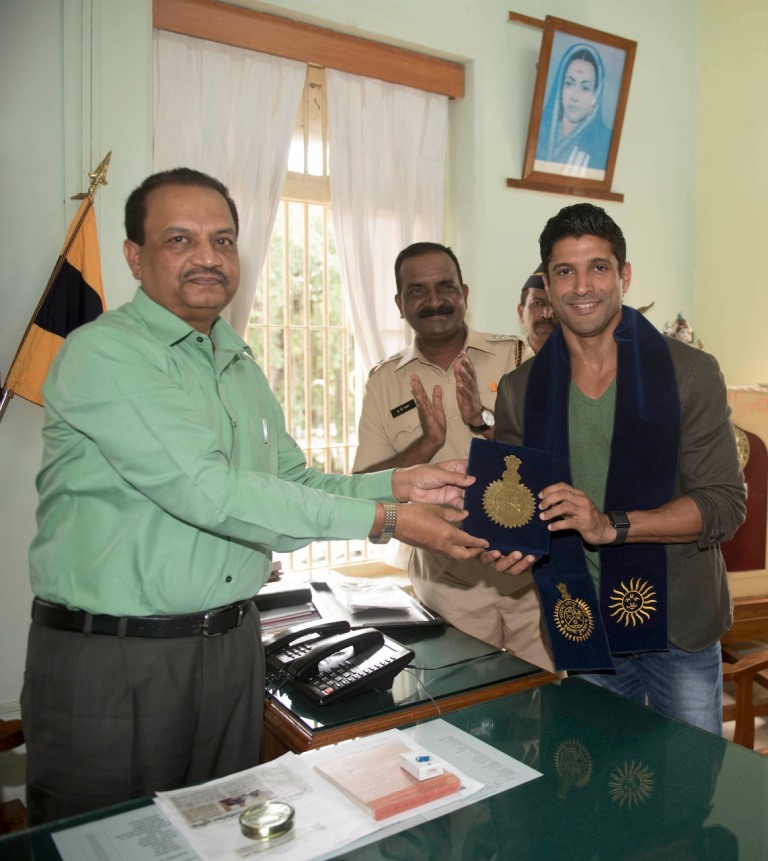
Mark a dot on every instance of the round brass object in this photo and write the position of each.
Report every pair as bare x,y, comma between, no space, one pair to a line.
267,821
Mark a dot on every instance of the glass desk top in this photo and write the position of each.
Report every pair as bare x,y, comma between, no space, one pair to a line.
618,782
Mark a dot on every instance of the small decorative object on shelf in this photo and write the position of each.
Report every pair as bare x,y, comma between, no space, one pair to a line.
681,329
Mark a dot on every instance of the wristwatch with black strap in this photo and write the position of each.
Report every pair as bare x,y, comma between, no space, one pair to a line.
620,522
488,421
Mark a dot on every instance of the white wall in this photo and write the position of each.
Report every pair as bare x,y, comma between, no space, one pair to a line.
731,298
55,128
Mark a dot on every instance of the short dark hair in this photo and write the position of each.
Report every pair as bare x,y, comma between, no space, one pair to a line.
136,205
417,249
582,219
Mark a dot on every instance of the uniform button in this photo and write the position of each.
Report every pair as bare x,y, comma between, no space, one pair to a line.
199,339
229,579
456,417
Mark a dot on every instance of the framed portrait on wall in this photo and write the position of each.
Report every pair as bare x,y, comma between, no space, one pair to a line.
579,100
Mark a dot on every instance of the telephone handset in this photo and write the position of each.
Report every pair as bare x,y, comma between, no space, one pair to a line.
337,664
360,641
299,635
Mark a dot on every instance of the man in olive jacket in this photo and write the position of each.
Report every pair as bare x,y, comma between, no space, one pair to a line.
650,480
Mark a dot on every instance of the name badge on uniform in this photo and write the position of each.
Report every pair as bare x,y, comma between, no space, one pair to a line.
403,408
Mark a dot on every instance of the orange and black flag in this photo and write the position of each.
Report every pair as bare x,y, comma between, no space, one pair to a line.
74,295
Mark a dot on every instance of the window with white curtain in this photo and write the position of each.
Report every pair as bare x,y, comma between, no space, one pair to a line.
299,330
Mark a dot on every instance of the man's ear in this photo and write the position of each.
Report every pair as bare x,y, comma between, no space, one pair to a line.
131,251
626,277
399,303
520,312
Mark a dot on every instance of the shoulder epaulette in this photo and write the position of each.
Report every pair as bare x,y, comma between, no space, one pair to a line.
388,359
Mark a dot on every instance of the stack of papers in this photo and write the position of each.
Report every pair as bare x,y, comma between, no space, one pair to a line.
203,821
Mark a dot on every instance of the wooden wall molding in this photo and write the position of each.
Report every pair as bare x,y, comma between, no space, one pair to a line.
270,34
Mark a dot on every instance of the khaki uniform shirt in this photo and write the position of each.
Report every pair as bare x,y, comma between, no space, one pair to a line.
497,608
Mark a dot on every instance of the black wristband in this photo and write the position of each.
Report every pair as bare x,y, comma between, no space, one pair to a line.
620,522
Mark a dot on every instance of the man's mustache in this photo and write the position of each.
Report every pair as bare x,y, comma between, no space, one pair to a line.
442,310
206,272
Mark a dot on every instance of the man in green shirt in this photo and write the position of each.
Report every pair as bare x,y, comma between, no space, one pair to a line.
168,478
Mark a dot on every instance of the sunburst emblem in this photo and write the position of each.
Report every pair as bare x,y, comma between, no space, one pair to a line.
633,604
507,501
631,784
573,616
573,765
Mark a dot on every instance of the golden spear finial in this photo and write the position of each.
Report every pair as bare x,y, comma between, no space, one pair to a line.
97,177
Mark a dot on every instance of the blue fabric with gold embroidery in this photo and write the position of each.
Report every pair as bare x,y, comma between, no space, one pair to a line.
641,475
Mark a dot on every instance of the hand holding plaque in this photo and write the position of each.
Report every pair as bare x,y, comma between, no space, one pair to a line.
502,502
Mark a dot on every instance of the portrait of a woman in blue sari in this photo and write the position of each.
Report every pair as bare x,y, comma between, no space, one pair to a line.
572,130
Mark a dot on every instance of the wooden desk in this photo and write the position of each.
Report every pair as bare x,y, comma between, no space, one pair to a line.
465,671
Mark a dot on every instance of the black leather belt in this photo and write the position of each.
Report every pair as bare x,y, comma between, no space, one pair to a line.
210,624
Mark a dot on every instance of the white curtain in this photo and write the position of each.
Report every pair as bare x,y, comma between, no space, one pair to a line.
388,146
230,113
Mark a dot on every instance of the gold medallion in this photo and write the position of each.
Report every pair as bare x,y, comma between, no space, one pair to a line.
633,604
573,765
742,447
507,501
573,616
631,784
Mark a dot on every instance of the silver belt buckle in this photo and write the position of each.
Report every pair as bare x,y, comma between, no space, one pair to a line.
218,612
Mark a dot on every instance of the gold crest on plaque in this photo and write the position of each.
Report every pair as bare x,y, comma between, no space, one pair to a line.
573,616
633,604
507,501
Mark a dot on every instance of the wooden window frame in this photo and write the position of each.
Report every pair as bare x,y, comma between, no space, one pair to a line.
283,37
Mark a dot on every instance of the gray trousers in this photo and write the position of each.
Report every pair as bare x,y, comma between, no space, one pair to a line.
109,719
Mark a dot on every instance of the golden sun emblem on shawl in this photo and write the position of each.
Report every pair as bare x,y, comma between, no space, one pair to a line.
633,604
573,616
573,765
631,784
508,502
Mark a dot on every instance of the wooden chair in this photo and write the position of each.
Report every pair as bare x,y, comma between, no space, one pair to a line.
13,814
744,671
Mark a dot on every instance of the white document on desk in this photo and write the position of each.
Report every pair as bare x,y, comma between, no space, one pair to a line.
206,816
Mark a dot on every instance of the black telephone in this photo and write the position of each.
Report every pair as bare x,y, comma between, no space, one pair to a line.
329,663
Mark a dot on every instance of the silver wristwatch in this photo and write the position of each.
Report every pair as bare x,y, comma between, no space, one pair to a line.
489,420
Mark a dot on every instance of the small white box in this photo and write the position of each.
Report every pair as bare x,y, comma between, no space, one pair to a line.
421,765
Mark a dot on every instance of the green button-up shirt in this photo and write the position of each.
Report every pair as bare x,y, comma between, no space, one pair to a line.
168,476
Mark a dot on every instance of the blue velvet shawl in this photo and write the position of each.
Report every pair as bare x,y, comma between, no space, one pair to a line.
631,615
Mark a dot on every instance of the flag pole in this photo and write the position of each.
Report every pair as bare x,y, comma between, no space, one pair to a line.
97,177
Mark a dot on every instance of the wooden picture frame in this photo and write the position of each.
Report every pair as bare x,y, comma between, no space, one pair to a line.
577,114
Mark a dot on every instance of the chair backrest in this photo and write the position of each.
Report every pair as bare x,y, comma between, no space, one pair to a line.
743,672
11,734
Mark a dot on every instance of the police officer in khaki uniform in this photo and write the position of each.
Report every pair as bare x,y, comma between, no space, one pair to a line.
426,403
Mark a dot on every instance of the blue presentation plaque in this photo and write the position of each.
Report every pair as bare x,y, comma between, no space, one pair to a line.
503,502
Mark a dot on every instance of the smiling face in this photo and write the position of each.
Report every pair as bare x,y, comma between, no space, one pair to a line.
586,286
431,298
189,262
579,86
